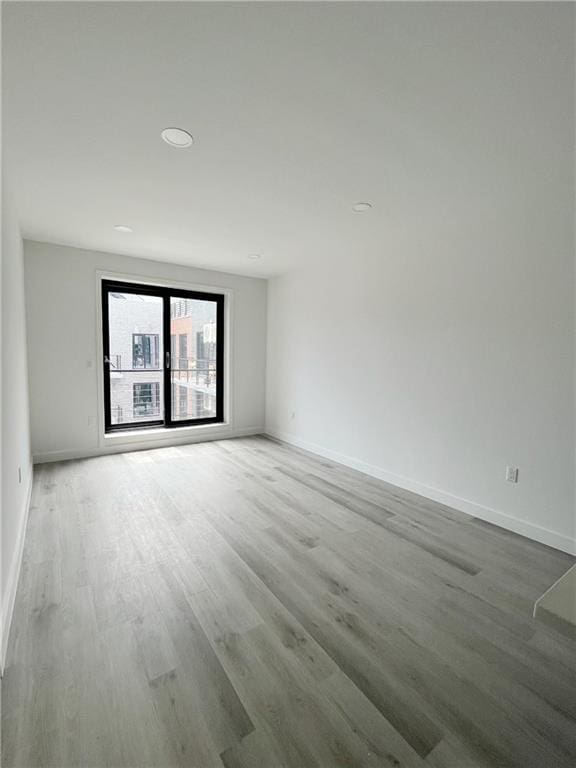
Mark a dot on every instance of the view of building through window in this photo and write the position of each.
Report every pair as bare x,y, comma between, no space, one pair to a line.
193,358
136,373
137,358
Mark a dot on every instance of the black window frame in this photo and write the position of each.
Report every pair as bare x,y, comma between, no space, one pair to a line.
165,293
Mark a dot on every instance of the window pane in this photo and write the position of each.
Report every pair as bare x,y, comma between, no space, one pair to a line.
136,373
193,369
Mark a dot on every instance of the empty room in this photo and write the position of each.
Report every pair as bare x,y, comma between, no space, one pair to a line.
288,344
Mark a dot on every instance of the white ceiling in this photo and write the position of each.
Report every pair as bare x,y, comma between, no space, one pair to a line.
298,112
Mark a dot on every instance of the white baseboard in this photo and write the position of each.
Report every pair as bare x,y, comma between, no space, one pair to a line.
14,574
472,508
166,441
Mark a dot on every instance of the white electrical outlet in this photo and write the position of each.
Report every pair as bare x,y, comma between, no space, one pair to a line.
512,474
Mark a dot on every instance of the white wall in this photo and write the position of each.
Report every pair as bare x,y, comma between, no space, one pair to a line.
435,387
63,338
15,424
447,353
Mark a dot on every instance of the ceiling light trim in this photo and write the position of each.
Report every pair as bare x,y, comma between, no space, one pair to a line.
362,207
177,137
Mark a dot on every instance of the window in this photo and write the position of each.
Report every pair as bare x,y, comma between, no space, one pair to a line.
145,350
146,399
163,356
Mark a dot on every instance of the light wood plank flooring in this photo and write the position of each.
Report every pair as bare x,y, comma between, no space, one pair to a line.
246,605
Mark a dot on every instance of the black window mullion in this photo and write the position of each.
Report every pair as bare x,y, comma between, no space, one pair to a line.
220,358
168,362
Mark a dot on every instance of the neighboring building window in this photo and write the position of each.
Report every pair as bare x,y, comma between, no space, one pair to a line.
146,399
183,401
183,351
199,345
179,308
145,350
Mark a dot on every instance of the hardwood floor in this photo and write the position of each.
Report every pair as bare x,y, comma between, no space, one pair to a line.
246,605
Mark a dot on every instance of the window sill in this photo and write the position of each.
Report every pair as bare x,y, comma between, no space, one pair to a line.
163,434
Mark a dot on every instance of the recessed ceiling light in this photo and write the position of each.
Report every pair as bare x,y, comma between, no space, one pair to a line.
254,256
361,207
123,228
177,137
